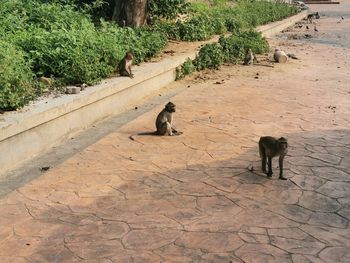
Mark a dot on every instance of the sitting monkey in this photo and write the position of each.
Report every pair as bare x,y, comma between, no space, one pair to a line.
125,65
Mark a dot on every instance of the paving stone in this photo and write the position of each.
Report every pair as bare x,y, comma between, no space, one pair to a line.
345,162
96,249
336,254
295,213
13,259
152,221
308,182
216,204
284,196
19,246
217,223
345,212
308,245
137,257
253,230
186,215
221,258
338,151
291,233
254,238
306,259
326,157
179,254
335,189
196,189
328,235
256,253
210,242
318,202
306,161
263,218
223,184
54,254
327,219
100,230
149,239
331,173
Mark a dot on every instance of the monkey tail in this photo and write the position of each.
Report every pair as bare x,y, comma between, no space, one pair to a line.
131,137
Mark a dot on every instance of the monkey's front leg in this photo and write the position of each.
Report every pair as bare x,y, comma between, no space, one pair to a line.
130,73
169,129
280,161
269,173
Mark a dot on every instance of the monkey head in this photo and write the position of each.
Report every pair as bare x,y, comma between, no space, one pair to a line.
170,107
283,143
129,56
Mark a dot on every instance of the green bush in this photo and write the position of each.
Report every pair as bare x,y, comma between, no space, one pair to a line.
210,56
60,38
15,78
235,46
230,49
256,12
166,8
186,69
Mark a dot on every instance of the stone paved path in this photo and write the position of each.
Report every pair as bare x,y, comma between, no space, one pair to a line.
191,198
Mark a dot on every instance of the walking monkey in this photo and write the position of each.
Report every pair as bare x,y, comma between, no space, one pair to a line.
270,147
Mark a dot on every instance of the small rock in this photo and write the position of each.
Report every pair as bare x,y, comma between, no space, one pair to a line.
73,90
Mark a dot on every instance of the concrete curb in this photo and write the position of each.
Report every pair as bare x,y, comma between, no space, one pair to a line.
26,134
273,28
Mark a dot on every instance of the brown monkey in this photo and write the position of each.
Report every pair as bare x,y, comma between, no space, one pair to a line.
164,121
270,147
125,65
309,18
250,58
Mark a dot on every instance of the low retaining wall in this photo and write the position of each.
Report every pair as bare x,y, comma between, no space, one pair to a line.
274,28
48,122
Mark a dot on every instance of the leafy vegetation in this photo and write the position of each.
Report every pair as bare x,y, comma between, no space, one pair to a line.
231,49
70,41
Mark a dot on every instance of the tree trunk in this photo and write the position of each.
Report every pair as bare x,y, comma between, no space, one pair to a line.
131,13
118,12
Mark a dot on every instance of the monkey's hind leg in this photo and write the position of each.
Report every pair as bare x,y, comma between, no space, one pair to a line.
125,73
280,160
269,173
165,129
263,158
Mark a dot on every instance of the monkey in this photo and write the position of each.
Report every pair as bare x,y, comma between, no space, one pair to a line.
125,64
164,123
250,58
270,147
317,15
309,18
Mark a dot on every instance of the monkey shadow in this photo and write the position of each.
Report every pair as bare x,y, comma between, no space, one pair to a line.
118,204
